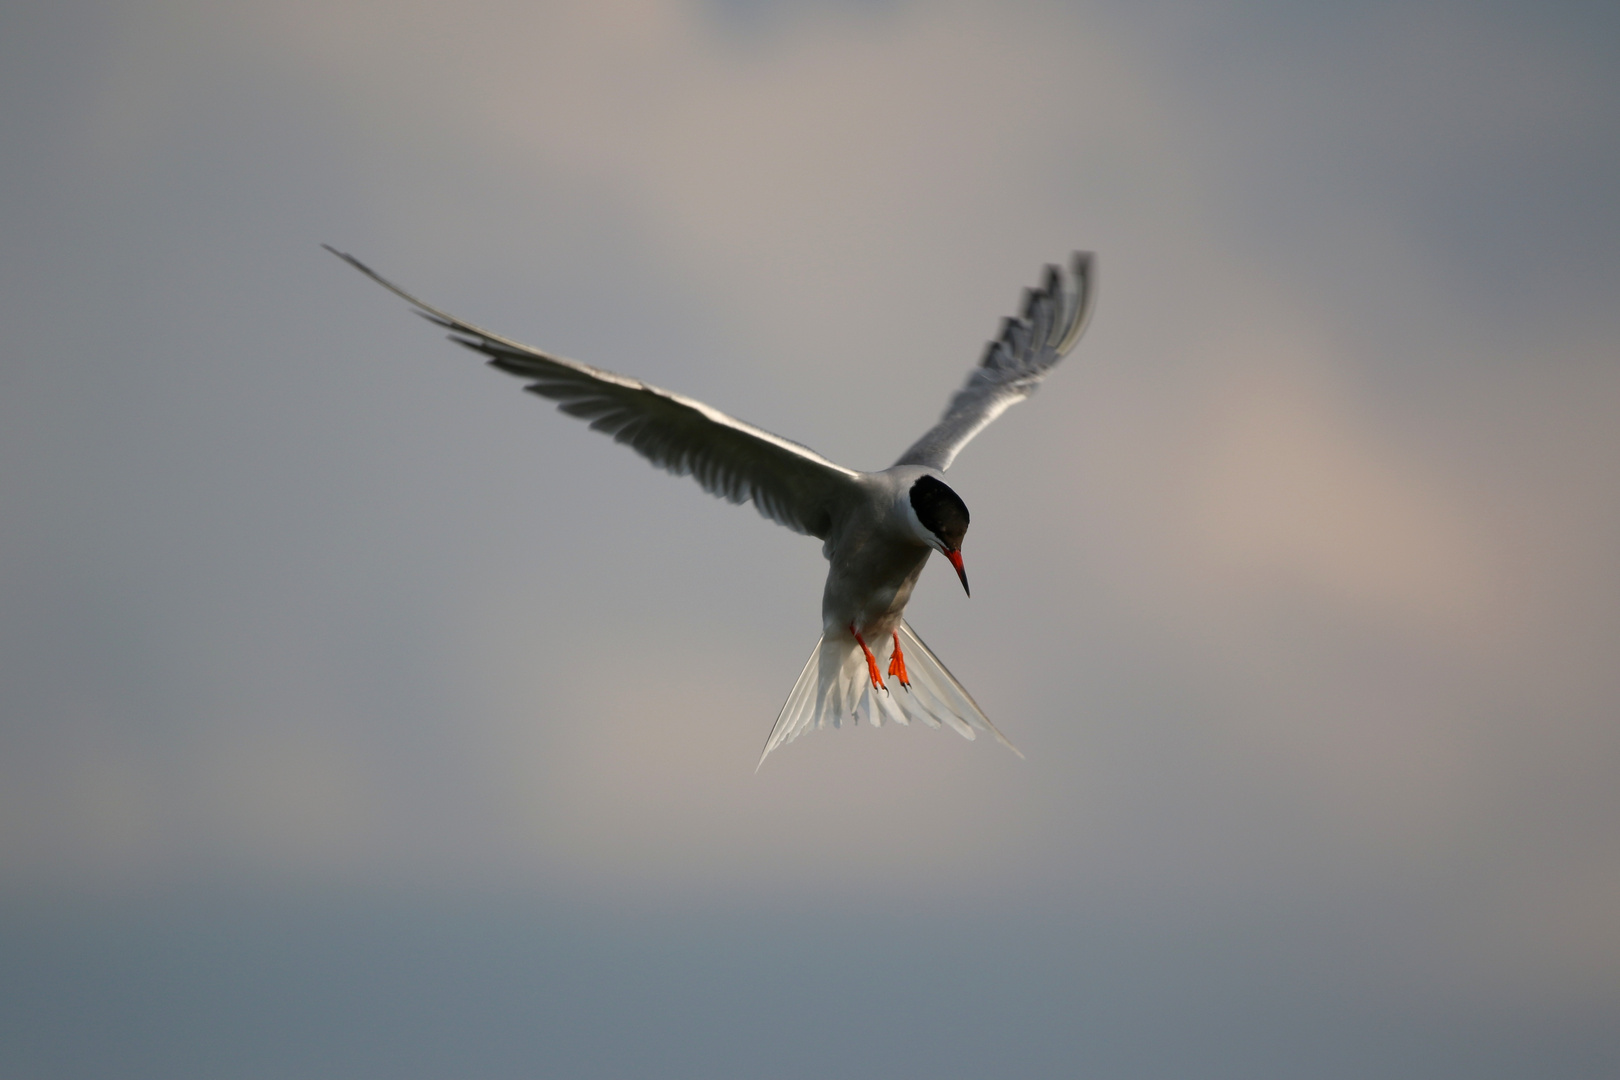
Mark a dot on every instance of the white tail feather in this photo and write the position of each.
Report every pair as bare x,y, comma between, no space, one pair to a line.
834,687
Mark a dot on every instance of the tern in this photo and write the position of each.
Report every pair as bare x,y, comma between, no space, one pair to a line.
877,528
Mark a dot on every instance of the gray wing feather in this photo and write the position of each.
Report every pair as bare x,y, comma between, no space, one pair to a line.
788,483
1014,363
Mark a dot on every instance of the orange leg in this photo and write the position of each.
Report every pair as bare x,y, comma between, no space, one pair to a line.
897,663
871,661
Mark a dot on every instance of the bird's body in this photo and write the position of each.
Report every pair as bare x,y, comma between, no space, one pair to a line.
877,528
873,558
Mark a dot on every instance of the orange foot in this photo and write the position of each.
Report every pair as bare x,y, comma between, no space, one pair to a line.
897,663
871,661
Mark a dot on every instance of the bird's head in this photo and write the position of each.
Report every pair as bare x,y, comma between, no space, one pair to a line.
939,518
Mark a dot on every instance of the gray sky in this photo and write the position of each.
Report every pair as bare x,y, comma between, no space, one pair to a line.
1296,583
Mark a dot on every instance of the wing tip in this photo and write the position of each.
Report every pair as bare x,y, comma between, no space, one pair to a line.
422,308
1083,268
351,260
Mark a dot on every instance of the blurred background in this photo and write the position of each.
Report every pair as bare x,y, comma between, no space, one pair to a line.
362,717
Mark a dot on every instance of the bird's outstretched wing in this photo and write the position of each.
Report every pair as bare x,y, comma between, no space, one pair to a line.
1014,364
789,483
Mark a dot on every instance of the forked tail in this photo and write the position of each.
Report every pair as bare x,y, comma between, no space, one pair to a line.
834,687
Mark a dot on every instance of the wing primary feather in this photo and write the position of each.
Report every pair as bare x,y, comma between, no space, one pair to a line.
1013,364
789,483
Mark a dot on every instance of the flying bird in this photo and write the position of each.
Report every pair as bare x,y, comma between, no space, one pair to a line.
877,528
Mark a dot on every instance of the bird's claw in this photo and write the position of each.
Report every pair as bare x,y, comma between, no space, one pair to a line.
871,661
897,663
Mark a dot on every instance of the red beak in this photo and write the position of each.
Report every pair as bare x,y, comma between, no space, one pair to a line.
956,561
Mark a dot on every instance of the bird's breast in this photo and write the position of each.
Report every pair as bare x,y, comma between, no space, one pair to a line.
869,582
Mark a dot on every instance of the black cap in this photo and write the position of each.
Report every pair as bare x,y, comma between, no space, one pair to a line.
941,510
